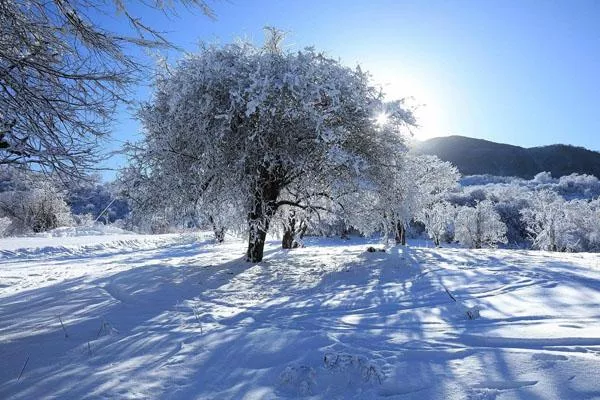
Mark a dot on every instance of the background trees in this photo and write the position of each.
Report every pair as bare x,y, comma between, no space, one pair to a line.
248,125
34,205
480,225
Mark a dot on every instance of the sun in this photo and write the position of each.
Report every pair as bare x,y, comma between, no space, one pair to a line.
381,119
424,99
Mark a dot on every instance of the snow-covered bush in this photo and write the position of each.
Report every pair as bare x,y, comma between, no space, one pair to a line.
39,209
577,186
479,226
555,224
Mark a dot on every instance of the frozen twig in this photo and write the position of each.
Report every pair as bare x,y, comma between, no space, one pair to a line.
23,369
63,327
449,294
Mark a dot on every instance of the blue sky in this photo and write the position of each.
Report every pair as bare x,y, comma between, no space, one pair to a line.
518,72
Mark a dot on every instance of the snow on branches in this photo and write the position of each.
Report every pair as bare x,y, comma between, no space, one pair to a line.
260,129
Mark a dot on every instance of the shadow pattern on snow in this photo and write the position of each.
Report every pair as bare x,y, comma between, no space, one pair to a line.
197,321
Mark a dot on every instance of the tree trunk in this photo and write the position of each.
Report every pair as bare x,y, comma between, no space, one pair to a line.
302,231
400,234
256,244
289,233
219,235
344,234
265,206
219,232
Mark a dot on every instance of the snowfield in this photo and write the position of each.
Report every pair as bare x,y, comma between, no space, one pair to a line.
179,317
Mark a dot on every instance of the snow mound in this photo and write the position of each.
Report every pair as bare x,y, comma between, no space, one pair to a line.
77,231
299,379
75,243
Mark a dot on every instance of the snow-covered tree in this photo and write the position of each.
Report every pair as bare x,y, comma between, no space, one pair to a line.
555,224
545,220
404,196
421,182
5,223
243,125
63,72
438,219
478,226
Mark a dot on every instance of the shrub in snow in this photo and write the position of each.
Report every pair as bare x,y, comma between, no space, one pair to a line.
547,222
351,366
479,226
372,249
543,177
301,379
472,312
84,219
39,209
555,224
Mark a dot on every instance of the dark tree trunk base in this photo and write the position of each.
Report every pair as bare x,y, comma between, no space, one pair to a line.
400,234
256,245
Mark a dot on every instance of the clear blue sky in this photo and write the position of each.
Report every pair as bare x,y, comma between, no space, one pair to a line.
518,72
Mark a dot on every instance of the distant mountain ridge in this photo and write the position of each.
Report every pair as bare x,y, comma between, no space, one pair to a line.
477,157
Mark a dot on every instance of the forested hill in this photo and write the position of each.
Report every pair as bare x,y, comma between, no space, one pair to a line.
476,156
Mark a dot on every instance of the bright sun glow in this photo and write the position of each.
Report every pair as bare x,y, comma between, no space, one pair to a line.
381,119
425,99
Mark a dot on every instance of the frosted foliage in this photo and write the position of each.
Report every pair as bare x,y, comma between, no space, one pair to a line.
438,220
479,226
558,225
255,129
4,225
543,177
406,193
39,209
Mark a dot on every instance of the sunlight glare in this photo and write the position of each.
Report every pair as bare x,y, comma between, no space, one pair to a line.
425,99
381,119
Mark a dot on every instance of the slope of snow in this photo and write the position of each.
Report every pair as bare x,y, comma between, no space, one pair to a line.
78,240
179,319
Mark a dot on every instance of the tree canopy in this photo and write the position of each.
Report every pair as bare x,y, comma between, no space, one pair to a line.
260,128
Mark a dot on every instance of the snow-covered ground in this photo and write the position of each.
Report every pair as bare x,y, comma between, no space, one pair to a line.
169,317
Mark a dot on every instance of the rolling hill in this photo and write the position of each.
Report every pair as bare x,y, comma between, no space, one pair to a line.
477,156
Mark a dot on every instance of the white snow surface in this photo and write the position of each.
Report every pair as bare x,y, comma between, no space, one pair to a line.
180,317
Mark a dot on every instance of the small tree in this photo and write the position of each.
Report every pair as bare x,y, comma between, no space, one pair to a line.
437,219
545,220
480,225
408,191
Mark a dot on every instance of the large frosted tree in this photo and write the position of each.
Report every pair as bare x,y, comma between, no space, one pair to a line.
264,128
